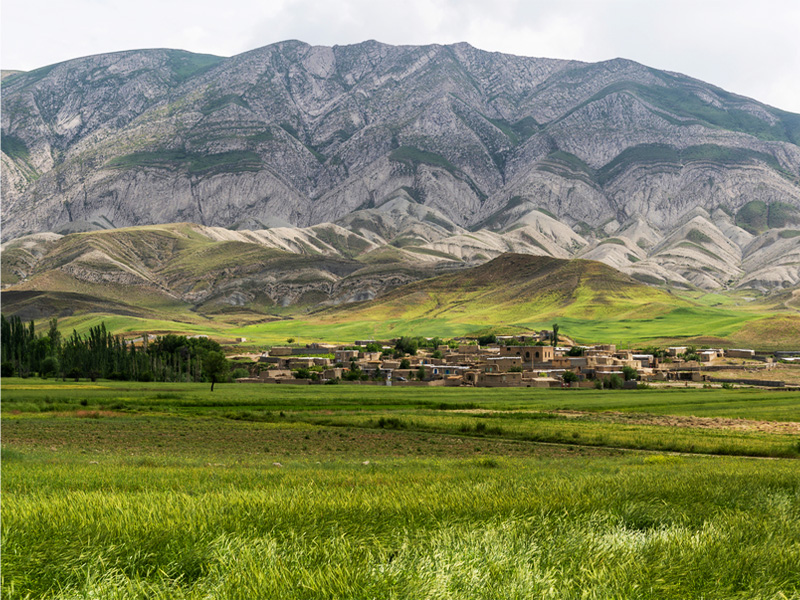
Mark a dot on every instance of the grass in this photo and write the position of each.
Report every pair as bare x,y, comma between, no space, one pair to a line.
698,237
667,155
415,156
681,100
185,65
14,148
214,104
615,241
121,490
635,323
193,163
757,216
753,216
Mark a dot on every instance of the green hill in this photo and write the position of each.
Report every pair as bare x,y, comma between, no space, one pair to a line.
590,300
172,279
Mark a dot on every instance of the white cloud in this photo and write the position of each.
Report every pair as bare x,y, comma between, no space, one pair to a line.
748,48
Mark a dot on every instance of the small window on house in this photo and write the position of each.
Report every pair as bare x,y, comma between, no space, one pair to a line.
527,355
537,354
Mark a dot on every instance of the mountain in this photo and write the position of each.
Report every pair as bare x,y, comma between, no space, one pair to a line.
444,151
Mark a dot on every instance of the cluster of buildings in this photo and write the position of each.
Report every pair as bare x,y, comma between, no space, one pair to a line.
510,362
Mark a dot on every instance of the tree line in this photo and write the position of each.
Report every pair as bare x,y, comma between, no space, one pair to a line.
99,354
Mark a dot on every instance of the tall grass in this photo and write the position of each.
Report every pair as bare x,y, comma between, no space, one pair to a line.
120,490
624,527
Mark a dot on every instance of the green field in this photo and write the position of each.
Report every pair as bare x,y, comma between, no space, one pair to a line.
121,490
693,324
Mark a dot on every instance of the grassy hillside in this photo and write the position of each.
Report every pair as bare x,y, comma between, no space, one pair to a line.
591,301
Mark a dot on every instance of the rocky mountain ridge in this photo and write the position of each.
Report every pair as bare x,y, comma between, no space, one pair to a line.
443,152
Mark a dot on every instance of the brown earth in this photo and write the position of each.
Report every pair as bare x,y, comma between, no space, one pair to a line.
235,440
786,427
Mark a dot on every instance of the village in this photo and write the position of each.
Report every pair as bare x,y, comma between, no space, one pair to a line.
531,360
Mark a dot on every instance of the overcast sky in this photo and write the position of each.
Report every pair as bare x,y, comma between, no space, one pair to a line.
747,47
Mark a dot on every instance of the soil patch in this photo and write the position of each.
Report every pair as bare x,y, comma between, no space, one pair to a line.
786,427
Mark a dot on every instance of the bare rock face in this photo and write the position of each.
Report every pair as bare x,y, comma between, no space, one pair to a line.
505,153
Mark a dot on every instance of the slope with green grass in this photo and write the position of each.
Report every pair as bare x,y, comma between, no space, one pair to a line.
590,300
171,279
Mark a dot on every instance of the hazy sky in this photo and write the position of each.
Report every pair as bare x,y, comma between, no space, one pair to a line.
747,47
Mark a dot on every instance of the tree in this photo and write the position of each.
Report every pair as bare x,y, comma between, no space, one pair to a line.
437,354
215,366
575,351
487,339
49,366
434,342
407,345
302,373
405,364
290,340
555,334
240,372
421,373
629,373
55,337
569,377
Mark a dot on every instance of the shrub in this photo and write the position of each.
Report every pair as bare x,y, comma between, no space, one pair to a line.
614,382
569,377
239,373
407,345
49,366
630,373
485,340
